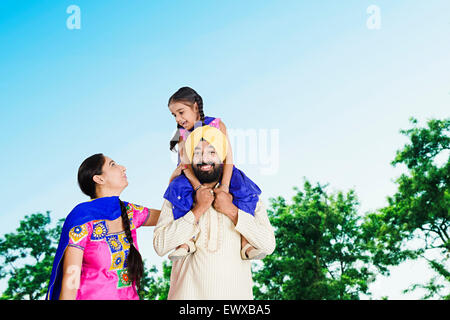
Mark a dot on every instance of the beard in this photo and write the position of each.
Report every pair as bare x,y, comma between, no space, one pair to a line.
208,176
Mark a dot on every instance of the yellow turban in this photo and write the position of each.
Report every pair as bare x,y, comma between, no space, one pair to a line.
214,136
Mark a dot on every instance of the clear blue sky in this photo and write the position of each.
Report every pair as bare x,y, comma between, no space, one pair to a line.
336,92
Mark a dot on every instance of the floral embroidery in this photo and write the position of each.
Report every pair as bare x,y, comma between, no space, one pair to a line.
114,244
130,217
125,265
77,233
117,260
118,245
131,207
132,227
100,230
124,241
124,281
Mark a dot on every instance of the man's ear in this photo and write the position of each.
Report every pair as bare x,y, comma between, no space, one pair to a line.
97,179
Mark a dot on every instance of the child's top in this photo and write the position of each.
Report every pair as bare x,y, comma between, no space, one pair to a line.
210,121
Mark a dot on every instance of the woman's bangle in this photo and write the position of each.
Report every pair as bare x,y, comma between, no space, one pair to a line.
199,186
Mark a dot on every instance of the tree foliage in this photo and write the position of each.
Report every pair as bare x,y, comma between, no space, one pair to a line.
420,209
27,257
320,251
154,286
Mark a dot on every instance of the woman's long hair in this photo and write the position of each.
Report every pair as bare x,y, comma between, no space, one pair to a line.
189,96
89,168
135,266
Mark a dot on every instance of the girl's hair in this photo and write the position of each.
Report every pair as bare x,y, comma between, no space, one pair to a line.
189,96
89,168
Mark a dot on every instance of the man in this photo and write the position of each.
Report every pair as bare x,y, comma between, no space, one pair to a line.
215,270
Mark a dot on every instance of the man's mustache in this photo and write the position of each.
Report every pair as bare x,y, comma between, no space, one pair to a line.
206,164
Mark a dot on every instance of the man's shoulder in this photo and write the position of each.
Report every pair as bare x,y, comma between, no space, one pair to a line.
260,205
167,204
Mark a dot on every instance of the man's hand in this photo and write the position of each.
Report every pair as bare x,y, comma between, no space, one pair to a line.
204,197
223,203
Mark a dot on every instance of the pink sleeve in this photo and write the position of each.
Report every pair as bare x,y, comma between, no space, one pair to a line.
138,215
183,133
79,235
215,123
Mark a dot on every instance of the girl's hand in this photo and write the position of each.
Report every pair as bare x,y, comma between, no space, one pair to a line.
177,172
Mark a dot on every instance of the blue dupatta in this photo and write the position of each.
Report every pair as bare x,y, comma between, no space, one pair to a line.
106,208
180,193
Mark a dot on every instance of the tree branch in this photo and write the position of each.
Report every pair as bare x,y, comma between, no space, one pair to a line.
435,229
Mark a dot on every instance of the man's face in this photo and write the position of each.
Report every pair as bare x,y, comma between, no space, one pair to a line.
206,163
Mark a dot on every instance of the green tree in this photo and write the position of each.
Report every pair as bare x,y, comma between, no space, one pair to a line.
27,256
154,286
320,252
420,209
26,260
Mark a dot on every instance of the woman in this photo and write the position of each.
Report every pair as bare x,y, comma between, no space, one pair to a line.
97,256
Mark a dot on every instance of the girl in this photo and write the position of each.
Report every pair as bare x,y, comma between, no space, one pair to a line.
97,256
186,105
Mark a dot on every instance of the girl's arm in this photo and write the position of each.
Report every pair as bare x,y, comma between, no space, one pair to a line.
73,257
228,162
189,173
187,166
178,170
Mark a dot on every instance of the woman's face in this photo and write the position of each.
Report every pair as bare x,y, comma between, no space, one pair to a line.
113,177
185,115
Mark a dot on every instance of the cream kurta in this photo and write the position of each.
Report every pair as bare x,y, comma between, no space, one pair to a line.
215,270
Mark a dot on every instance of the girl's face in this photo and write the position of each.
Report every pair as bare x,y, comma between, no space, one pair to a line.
185,115
113,178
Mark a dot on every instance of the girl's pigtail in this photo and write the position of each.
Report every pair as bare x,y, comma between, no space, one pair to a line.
175,139
199,101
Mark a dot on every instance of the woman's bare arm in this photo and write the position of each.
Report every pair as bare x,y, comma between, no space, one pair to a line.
73,258
153,219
